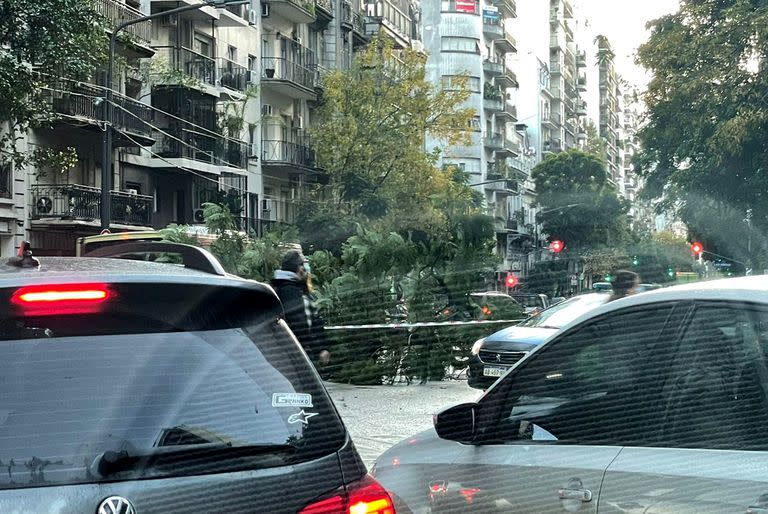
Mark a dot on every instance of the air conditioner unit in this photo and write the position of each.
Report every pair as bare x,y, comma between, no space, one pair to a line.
266,110
253,16
264,9
199,216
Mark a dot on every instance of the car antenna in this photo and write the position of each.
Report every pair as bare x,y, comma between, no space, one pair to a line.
25,258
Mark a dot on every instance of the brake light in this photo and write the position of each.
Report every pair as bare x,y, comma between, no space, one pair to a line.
365,496
61,299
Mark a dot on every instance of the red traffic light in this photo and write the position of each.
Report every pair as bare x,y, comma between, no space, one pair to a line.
697,248
556,246
511,280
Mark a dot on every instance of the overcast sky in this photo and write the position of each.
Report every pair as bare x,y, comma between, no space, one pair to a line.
623,22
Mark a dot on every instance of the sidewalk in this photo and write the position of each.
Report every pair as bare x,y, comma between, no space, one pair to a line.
379,416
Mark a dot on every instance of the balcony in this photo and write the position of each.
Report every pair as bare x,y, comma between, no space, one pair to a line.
494,141
506,7
581,83
506,43
78,204
507,78
508,112
581,108
196,69
296,11
551,146
493,68
324,8
493,104
509,148
201,147
130,118
286,154
493,28
288,78
581,59
379,20
551,120
115,13
233,76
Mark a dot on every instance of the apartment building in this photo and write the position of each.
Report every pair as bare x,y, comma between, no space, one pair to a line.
640,212
610,111
474,38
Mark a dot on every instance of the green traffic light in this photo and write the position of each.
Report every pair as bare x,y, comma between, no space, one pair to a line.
635,261
608,278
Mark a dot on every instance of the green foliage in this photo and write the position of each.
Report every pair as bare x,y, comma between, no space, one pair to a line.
41,40
703,151
579,204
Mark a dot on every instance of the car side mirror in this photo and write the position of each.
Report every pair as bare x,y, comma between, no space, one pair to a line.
457,423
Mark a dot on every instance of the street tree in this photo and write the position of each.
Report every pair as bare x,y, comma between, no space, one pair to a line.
42,43
579,205
703,153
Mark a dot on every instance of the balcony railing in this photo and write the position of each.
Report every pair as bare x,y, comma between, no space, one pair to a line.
358,22
493,27
192,64
508,7
83,203
202,147
552,145
75,99
493,104
116,13
277,151
494,140
325,5
232,75
493,67
279,68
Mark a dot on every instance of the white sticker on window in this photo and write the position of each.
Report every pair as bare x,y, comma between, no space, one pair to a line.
302,417
291,400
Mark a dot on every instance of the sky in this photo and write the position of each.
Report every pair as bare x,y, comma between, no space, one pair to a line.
623,22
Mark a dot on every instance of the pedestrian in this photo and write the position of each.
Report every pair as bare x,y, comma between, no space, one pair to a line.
293,286
624,283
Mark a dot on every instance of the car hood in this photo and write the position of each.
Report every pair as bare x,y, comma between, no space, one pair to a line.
518,338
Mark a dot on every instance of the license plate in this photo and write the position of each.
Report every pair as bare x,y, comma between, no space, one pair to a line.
494,371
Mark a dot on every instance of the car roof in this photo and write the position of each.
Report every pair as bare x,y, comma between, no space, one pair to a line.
741,289
96,269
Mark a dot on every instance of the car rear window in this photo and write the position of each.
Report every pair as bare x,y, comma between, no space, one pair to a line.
154,366
565,312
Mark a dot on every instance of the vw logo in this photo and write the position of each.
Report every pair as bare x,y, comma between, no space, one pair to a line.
115,505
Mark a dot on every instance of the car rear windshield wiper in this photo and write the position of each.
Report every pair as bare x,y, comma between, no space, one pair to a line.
111,463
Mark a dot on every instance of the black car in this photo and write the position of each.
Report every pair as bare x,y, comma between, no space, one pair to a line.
492,356
139,387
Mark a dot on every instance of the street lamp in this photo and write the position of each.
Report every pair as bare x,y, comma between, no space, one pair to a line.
106,142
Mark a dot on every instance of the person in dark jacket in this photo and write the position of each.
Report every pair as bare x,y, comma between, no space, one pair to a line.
625,283
291,283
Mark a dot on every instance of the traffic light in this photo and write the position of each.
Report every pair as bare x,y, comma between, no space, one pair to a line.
635,261
671,272
697,248
608,277
511,280
556,246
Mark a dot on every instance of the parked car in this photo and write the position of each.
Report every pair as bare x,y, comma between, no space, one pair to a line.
492,356
131,386
532,303
652,403
496,305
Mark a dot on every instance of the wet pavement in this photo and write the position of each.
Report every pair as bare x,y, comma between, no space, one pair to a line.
379,416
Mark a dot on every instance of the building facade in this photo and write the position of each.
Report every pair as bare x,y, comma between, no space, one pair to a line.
610,112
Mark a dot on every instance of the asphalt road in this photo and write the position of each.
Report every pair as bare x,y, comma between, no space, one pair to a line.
379,416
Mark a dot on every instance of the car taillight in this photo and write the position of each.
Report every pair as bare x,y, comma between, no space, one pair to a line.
60,299
364,496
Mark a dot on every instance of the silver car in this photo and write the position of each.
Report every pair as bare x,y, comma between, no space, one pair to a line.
656,403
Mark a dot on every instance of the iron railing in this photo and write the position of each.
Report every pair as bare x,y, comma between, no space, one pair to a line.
192,64
280,68
202,147
280,151
493,67
78,100
232,75
83,203
116,13
326,5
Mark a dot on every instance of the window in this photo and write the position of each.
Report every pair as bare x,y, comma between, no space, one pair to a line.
595,385
6,177
714,395
453,82
460,44
475,124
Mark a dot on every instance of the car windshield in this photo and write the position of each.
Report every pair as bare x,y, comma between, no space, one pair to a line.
565,312
529,300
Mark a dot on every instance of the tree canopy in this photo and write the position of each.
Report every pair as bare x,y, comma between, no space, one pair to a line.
703,146
40,41
579,204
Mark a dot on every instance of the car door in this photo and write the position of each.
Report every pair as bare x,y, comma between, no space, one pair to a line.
707,450
548,431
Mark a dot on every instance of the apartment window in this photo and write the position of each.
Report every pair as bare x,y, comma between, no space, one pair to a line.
475,124
469,165
203,45
6,177
451,82
460,44
461,6
232,53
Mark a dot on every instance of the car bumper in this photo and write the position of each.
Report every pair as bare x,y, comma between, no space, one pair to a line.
475,377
